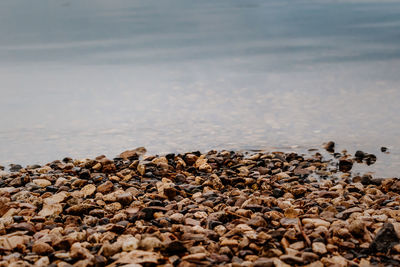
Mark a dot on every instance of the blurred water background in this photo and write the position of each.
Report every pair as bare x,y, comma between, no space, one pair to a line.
81,78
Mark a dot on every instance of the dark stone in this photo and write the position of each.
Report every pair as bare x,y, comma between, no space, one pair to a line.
99,261
97,213
384,149
51,188
370,159
123,223
385,239
212,224
277,192
244,253
104,221
34,166
337,155
170,192
359,155
116,228
18,218
125,198
330,146
148,212
15,167
67,160
170,156
345,165
84,174
24,226
174,248
156,203
253,207
366,179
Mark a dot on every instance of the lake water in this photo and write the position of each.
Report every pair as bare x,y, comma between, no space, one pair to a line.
81,78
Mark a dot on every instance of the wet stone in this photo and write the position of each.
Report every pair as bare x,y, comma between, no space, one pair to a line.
345,165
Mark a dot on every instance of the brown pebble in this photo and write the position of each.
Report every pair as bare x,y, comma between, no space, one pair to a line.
42,248
105,187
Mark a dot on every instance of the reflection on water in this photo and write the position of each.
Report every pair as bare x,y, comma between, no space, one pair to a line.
81,78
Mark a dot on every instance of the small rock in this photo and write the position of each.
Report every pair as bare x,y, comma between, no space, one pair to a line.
141,169
51,210
297,245
329,146
130,244
88,190
105,187
357,228
229,243
124,198
24,226
150,243
194,257
41,182
15,167
316,222
42,248
291,259
79,252
177,218
264,262
345,165
133,154
359,155
319,248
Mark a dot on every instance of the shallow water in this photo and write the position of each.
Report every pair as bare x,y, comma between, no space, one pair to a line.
83,78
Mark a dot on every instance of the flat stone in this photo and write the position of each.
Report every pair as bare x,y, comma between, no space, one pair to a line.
42,248
24,226
88,190
139,257
319,248
41,182
51,210
316,222
105,187
194,257
56,198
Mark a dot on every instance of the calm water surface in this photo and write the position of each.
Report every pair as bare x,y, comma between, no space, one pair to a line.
83,78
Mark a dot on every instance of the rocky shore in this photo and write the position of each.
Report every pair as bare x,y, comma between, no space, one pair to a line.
216,209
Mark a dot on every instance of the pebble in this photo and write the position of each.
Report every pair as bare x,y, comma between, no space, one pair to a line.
124,198
88,190
319,248
51,210
42,248
316,222
105,187
150,243
177,218
41,182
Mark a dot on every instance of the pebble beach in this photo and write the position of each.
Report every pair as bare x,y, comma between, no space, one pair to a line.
221,208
